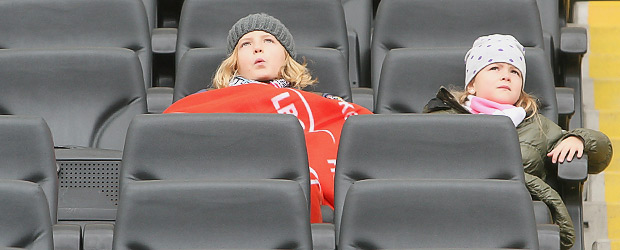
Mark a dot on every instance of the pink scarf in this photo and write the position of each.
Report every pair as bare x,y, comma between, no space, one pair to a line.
478,105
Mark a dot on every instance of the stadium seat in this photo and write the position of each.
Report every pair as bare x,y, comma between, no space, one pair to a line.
449,24
214,147
437,214
31,24
224,214
25,222
319,31
414,147
358,15
197,67
566,47
28,155
86,96
411,77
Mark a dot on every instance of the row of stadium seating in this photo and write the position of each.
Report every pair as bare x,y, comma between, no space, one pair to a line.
89,67
185,186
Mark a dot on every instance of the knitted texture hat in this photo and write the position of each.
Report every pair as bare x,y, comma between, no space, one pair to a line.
263,22
493,49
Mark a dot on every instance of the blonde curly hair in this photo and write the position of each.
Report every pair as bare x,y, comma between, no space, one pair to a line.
295,73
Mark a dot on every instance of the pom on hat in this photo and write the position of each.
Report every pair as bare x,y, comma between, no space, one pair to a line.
263,22
493,49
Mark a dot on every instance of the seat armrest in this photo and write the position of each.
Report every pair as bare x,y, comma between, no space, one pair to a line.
574,40
328,214
566,100
323,236
164,40
548,236
67,236
364,97
158,99
575,170
542,213
354,58
98,236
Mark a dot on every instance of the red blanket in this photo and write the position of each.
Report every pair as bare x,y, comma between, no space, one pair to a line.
321,119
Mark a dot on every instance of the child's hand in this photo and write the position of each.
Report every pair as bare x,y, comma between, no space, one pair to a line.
566,150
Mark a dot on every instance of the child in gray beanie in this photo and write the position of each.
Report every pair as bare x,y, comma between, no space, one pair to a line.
260,48
494,79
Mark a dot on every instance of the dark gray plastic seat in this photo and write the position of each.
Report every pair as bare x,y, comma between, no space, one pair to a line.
197,67
25,221
359,15
411,77
205,24
27,154
31,24
215,147
565,48
86,96
417,146
217,214
438,214
449,24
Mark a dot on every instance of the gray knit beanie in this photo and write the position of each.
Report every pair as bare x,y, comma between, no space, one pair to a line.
492,49
263,22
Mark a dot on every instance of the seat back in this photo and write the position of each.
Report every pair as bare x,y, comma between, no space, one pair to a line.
446,23
426,146
77,23
411,77
438,214
27,154
198,66
198,214
205,24
215,147
25,221
86,96
358,15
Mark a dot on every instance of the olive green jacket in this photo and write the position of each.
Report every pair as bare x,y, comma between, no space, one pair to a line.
537,137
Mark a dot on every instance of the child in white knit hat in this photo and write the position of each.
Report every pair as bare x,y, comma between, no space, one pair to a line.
494,80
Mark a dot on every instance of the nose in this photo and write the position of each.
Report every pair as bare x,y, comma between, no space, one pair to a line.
506,76
258,49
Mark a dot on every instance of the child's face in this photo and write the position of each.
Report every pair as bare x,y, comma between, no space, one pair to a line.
498,82
260,56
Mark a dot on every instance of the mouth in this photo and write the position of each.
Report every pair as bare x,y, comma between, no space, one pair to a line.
506,87
259,60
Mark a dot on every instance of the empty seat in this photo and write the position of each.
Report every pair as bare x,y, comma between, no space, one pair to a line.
359,15
438,214
200,214
25,221
77,23
28,154
86,96
205,24
425,147
215,147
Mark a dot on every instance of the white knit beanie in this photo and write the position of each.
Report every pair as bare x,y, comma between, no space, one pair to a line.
493,49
